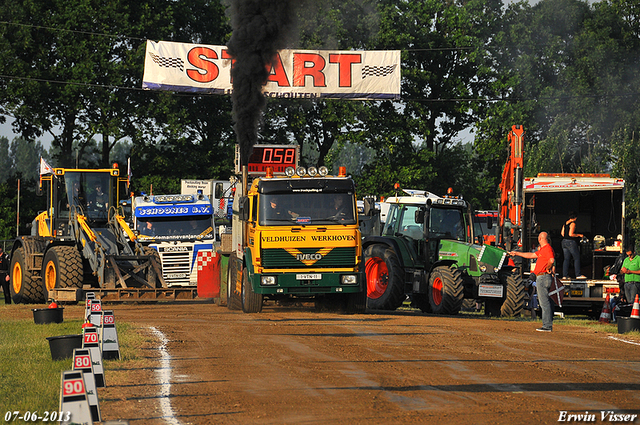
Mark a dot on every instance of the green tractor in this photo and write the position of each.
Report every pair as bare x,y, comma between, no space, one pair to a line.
427,252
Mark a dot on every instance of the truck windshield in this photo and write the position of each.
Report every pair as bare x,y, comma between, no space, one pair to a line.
176,228
306,209
446,223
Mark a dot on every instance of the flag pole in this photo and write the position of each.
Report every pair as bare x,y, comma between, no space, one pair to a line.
18,214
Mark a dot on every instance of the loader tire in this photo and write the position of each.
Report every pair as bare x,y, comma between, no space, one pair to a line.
233,296
385,278
446,290
24,289
514,301
152,276
251,302
62,268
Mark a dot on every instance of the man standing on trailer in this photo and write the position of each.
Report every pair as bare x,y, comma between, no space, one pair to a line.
544,271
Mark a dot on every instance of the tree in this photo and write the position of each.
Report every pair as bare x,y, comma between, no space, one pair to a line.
68,62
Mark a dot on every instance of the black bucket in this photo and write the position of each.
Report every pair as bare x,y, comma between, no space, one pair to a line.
628,324
62,346
47,315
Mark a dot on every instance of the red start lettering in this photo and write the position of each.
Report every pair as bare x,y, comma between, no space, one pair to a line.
200,58
308,64
344,62
277,74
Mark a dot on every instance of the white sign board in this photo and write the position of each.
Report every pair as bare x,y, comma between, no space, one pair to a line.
191,187
294,74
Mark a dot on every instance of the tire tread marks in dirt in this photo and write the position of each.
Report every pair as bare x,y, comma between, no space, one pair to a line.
514,301
394,294
452,291
251,302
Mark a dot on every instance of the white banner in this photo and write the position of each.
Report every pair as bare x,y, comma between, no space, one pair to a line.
311,74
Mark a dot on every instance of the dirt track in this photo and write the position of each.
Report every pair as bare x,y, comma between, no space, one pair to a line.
295,366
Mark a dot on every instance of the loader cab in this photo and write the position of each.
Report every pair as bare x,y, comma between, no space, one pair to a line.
90,193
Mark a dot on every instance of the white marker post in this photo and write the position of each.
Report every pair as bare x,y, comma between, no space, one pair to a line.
90,341
74,406
96,312
87,305
82,362
109,336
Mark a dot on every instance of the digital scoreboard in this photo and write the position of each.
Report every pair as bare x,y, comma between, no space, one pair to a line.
278,157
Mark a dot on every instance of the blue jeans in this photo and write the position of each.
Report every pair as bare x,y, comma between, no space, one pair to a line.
570,249
543,283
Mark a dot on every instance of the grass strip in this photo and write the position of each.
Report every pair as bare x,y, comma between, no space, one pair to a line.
29,378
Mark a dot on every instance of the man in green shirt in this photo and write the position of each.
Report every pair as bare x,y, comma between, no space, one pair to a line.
631,270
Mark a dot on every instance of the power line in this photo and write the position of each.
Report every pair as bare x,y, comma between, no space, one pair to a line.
425,100
71,31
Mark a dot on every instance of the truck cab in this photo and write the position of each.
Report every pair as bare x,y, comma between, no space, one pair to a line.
180,228
302,240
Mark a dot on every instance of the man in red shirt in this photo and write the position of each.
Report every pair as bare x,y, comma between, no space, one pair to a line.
544,277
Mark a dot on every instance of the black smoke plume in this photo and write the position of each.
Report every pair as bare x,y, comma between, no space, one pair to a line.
260,29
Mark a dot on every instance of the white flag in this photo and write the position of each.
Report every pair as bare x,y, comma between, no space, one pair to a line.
129,172
44,167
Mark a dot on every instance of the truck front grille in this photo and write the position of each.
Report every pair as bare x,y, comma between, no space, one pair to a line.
176,267
337,258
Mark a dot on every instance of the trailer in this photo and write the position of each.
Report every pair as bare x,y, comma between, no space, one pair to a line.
530,205
598,200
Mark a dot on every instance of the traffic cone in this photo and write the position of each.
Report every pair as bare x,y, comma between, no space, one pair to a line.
635,310
605,316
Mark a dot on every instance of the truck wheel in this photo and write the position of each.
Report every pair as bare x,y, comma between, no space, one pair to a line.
251,302
233,296
385,280
445,290
514,301
24,289
356,303
62,268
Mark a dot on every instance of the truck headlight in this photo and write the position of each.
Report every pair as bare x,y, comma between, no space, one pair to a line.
349,279
268,280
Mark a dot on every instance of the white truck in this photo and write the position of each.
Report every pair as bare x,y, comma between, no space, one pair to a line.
181,228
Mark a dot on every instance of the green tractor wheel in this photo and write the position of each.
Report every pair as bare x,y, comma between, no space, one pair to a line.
514,301
385,278
445,290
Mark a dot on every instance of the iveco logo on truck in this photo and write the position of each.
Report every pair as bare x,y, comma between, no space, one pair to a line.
305,257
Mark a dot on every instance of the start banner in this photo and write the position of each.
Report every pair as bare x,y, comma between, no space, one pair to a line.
311,74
